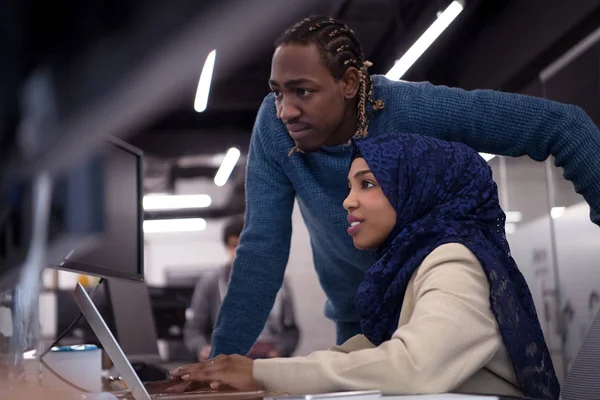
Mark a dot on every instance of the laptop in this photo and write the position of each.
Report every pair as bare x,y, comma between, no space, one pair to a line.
137,390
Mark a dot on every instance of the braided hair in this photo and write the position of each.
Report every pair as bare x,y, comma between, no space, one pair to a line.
339,49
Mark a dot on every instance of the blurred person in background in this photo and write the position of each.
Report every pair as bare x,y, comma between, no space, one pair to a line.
280,336
323,96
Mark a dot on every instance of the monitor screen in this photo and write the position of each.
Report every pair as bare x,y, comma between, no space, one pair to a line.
120,252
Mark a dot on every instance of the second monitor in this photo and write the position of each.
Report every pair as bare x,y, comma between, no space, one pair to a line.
120,253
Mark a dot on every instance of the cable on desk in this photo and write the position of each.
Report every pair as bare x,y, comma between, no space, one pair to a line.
58,339
66,331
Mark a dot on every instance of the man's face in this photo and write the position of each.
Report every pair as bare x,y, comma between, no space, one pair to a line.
231,246
309,101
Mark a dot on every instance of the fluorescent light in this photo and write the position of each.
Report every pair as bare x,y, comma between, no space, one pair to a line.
510,229
487,156
227,166
204,82
513,216
426,39
557,212
174,225
29,355
175,202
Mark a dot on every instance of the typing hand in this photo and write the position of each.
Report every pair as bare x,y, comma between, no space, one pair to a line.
222,371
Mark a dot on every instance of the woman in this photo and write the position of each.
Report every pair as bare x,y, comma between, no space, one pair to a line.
444,308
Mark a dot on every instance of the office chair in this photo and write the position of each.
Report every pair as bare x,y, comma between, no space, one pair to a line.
583,380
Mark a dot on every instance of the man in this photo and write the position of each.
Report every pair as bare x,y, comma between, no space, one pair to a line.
322,96
280,336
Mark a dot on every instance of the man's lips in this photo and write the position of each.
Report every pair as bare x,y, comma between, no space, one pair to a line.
298,131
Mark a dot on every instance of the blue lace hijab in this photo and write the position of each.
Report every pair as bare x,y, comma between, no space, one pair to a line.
444,193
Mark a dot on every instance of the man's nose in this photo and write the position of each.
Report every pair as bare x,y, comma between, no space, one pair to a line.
288,111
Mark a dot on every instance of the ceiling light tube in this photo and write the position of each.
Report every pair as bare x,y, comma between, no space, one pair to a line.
174,225
557,212
513,216
176,202
426,39
227,166
203,90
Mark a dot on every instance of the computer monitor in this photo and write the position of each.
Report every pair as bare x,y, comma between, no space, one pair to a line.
134,325
120,253
169,305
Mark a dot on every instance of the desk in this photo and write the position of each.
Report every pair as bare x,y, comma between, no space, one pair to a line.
452,396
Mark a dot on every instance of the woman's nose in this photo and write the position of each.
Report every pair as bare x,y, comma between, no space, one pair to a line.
350,203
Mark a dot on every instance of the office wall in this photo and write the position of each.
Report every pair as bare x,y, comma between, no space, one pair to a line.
189,252
555,246
577,253
565,310
523,193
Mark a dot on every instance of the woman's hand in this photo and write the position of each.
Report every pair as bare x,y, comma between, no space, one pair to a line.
232,371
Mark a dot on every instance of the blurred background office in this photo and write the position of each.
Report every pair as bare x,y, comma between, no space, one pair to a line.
182,82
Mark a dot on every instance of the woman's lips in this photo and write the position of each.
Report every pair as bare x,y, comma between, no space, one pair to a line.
354,227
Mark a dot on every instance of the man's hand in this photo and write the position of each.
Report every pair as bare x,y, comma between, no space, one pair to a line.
231,371
204,353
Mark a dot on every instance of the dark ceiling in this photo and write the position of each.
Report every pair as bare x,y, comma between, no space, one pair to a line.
498,44
130,68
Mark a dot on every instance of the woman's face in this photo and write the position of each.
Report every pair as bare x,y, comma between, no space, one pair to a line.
370,215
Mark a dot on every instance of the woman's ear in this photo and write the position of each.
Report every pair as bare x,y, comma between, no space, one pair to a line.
350,83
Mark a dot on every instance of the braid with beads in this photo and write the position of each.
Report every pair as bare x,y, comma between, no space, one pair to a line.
340,50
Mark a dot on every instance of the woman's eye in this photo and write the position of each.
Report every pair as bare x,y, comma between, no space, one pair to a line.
367,185
303,92
277,93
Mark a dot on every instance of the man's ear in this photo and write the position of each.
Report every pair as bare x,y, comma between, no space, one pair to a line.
350,83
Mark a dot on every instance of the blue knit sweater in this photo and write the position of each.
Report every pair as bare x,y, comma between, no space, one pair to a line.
488,121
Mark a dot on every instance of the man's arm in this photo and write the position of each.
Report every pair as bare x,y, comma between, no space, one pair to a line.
264,247
509,124
194,334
